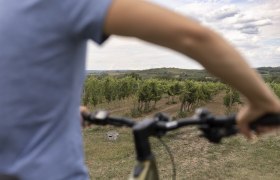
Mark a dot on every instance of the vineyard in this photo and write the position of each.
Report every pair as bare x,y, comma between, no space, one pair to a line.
147,92
195,158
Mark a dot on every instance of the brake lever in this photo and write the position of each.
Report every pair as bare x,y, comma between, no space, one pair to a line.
211,131
99,117
161,118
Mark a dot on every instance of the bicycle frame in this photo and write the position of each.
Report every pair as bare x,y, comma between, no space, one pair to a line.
145,170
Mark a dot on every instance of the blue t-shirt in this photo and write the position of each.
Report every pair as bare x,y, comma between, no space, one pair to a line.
42,67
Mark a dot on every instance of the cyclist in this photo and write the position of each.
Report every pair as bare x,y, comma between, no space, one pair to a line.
42,59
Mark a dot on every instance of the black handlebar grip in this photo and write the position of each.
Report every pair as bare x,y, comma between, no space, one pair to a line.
266,120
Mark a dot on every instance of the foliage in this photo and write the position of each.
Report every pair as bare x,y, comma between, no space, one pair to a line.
173,89
147,92
150,90
195,92
93,91
181,114
232,96
276,88
108,88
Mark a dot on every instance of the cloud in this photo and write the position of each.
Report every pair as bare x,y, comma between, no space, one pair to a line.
250,30
225,12
130,53
252,26
224,17
278,50
247,25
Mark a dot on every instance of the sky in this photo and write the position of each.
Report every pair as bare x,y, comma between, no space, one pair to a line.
251,26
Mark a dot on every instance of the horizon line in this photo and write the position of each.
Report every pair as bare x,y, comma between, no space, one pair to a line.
166,68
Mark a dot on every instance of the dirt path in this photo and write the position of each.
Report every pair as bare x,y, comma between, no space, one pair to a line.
170,110
216,106
123,108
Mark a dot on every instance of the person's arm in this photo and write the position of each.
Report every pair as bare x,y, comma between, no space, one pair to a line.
149,22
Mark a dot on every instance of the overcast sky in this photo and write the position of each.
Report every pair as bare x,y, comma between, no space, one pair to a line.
252,26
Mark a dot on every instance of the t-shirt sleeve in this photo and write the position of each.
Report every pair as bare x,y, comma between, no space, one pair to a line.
87,18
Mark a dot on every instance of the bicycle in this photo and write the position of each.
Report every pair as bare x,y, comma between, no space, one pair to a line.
213,128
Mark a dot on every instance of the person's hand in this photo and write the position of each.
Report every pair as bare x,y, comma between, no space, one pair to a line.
84,109
249,113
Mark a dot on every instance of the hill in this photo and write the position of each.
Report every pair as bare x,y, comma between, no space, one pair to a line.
164,73
268,70
268,73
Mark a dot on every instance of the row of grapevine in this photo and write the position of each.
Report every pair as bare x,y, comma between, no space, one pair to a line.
194,92
276,88
148,92
232,96
108,89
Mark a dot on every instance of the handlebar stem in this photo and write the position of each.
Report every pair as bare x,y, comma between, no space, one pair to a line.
142,131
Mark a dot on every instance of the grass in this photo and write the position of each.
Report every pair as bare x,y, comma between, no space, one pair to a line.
195,158
108,159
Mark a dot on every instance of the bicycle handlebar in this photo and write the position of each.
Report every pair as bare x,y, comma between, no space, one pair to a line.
214,128
202,118
103,118
266,120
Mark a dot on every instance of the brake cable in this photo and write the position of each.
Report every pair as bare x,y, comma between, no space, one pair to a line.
170,156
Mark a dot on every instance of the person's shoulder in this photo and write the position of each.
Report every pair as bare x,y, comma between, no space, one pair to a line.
87,18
